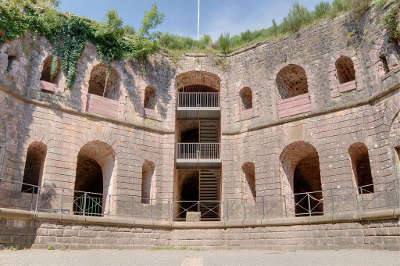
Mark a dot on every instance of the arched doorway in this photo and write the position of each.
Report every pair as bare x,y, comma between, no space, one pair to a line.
93,183
188,193
360,163
34,167
301,180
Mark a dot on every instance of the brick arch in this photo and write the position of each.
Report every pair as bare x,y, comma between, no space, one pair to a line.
149,98
345,69
300,172
48,64
34,167
192,79
360,163
97,82
102,134
246,98
291,81
95,173
249,172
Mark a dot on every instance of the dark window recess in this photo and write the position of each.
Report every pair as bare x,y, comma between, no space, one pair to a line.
384,63
11,62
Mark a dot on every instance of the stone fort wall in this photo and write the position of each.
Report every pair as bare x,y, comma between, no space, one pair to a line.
337,116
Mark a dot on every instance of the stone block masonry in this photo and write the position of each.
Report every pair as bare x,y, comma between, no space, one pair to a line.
305,133
25,231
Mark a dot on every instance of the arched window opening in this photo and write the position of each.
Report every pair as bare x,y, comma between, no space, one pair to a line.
104,82
301,172
93,179
345,70
12,59
147,182
34,166
150,98
361,168
385,63
250,178
246,97
291,81
51,69
189,194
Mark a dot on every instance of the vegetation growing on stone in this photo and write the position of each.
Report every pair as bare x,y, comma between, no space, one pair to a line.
70,33
297,18
114,41
392,22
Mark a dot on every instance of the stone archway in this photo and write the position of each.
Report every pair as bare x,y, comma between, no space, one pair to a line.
94,179
345,69
99,76
301,180
291,81
361,168
34,167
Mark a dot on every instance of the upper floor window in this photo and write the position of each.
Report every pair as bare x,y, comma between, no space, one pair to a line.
246,97
51,69
345,70
150,98
385,64
12,59
104,82
291,81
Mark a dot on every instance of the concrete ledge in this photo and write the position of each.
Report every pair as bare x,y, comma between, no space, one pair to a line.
384,214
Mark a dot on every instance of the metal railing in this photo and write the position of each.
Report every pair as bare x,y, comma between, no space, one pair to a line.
88,204
209,210
198,151
198,99
51,199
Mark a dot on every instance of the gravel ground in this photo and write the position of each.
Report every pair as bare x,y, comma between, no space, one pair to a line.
197,257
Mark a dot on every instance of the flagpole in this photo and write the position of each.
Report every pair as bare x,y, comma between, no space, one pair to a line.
198,20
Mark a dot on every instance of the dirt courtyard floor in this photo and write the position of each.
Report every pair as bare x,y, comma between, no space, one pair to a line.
166,257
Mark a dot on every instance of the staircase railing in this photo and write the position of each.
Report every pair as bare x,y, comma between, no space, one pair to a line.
190,151
198,99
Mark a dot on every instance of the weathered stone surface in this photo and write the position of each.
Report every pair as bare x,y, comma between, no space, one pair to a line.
338,108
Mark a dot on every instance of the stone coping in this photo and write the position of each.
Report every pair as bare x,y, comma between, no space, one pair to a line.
383,214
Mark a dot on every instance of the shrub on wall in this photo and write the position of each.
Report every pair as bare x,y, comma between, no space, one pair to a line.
69,33
392,23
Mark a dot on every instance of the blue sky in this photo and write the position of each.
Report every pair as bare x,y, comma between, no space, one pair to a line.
217,16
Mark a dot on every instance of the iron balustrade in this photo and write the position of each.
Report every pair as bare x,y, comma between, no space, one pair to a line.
209,210
333,201
198,151
198,100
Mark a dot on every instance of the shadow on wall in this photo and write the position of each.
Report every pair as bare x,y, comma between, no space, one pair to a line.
158,74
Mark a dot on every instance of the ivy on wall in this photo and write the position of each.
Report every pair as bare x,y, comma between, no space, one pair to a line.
69,34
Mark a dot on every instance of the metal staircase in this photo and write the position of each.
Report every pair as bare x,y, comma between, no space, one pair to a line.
209,194
208,131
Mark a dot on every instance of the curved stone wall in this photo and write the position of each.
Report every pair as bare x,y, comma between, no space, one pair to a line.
348,95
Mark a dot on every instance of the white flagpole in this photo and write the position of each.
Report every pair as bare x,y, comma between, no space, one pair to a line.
198,20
